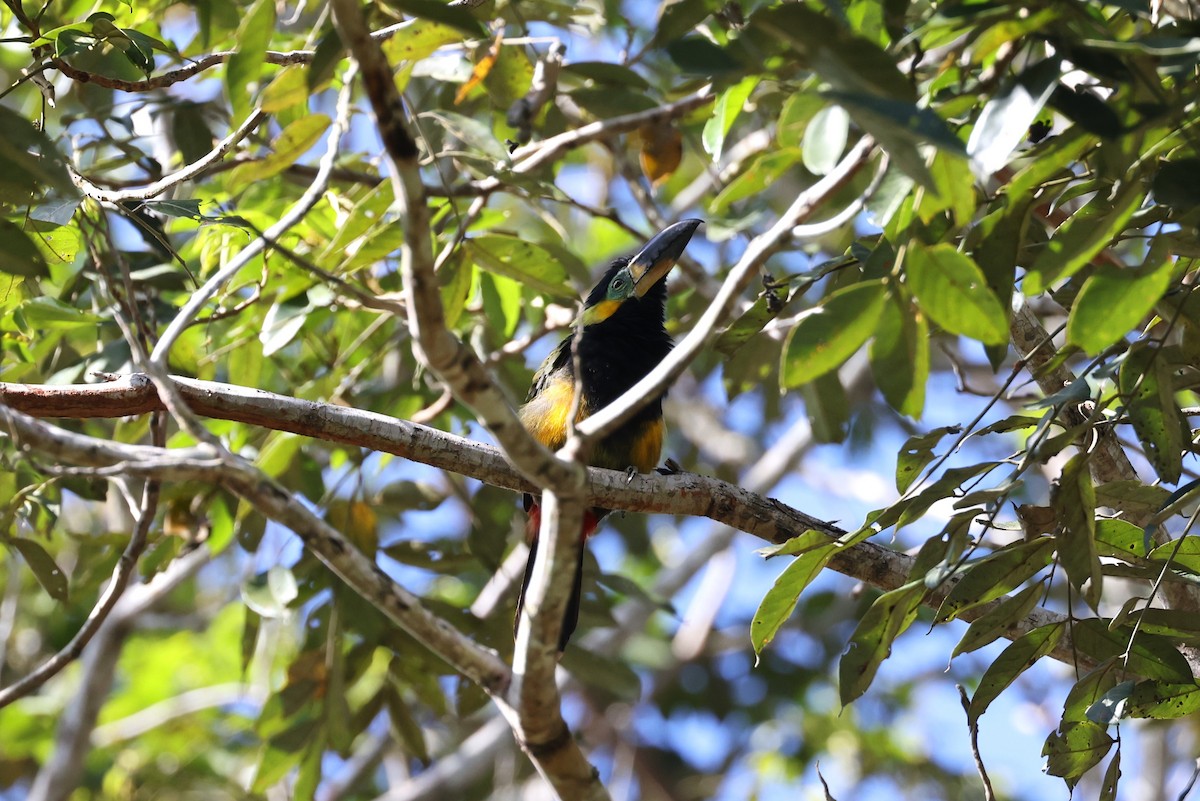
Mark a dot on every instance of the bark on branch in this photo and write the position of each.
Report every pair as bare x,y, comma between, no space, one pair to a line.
679,494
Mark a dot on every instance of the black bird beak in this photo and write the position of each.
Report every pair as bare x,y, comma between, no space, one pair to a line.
660,254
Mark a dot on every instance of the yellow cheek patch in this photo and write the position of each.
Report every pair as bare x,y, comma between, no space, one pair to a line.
600,312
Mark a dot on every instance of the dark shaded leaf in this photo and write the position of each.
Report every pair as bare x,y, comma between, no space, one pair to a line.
18,254
1151,656
997,574
1146,389
42,564
899,356
1074,749
458,17
700,56
992,625
1018,657
1075,500
1083,235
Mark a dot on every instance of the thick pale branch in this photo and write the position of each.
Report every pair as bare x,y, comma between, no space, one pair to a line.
201,464
453,362
539,725
680,494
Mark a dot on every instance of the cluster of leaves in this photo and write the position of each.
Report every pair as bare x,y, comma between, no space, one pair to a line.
1116,92
1094,223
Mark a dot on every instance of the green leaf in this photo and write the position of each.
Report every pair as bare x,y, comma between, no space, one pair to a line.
997,574
418,39
825,139
888,617
990,626
1075,500
899,356
954,190
288,88
1162,700
725,113
187,208
48,313
1108,788
1177,184
293,142
472,133
780,601
1132,497
246,64
953,291
850,63
457,278
1146,388
405,727
795,116
1150,656
679,17
759,174
603,672
513,257
1006,118
1183,553
458,17
281,325
510,77
916,455
501,303
326,57
45,569
901,128
1083,235
612,101
1118,538
1018,657
1114,301
1074,749
18,254
830,333
700,56
29,161
603,72
827,408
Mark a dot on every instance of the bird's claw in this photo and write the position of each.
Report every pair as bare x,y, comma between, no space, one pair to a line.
630,474
671,468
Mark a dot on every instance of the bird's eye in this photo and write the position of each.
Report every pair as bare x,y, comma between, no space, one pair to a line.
618,284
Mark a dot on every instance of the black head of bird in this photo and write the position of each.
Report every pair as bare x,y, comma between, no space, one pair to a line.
622,338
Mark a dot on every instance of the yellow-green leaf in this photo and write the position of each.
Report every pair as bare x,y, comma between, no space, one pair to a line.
830,333
952,290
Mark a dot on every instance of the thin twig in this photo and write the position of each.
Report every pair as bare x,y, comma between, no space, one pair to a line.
973,726
108,599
